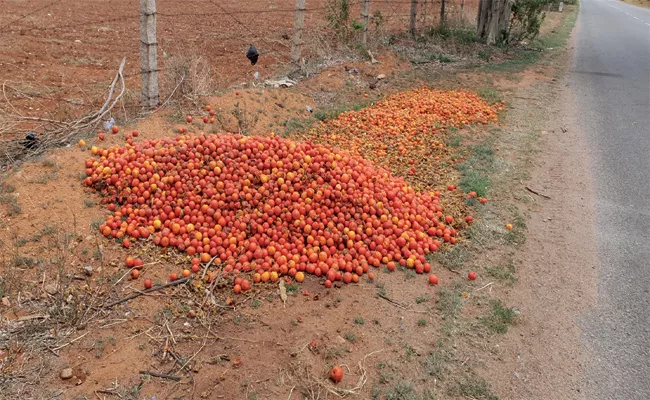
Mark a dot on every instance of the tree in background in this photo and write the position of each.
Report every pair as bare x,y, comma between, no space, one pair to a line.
509,21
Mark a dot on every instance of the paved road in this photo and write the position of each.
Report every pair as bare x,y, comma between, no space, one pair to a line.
611,83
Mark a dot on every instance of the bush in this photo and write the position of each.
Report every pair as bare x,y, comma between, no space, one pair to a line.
526,19
337,13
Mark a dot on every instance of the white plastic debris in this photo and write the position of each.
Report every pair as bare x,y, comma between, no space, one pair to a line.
109,124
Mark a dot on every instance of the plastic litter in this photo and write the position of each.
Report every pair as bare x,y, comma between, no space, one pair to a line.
109,124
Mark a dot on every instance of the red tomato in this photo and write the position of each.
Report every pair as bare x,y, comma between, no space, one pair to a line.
115,129
336,374
173,276
148,284
471,276
433,279
188,119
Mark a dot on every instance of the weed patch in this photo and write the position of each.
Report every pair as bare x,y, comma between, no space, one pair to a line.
499,318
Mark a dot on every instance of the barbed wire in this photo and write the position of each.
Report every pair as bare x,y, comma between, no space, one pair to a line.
29,14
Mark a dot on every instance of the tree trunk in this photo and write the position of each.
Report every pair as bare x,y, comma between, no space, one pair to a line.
493,19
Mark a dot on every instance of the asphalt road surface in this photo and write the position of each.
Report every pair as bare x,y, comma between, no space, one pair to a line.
610,80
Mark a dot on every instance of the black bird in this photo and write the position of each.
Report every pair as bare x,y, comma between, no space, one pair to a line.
252,54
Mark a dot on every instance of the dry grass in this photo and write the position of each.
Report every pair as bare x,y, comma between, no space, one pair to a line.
188,73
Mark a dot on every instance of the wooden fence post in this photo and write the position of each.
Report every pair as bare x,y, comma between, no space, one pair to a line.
462,11
298,27
149,53
414,10
442,12
365,20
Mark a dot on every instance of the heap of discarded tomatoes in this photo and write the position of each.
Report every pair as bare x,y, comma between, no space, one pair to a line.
405,132
268,205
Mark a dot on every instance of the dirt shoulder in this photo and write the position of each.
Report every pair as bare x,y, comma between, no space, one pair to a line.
542,357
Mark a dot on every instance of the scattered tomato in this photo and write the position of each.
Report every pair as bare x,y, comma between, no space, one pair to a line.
471,276
336,374
148,284
433,279
135,273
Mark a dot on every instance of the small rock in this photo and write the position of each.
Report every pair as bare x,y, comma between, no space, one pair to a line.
66,373
88,270
77,41
6,302
381,76
191,314
51,289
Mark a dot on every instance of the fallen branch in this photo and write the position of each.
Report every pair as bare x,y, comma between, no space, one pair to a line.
391,301
153,289
537,193
56,133
159,375
69,343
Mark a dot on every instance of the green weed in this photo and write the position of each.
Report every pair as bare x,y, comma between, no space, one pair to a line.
448,303
499,318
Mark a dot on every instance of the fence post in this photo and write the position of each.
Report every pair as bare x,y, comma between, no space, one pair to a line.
442,12
365,20
414,10
298,27
462,11
149,53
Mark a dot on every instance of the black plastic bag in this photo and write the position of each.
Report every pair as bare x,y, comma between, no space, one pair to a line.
252,54
30,141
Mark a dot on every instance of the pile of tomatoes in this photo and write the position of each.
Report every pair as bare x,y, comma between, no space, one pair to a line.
406,132
268,206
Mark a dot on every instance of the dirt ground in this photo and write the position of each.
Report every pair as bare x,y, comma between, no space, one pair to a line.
59,57
396,337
